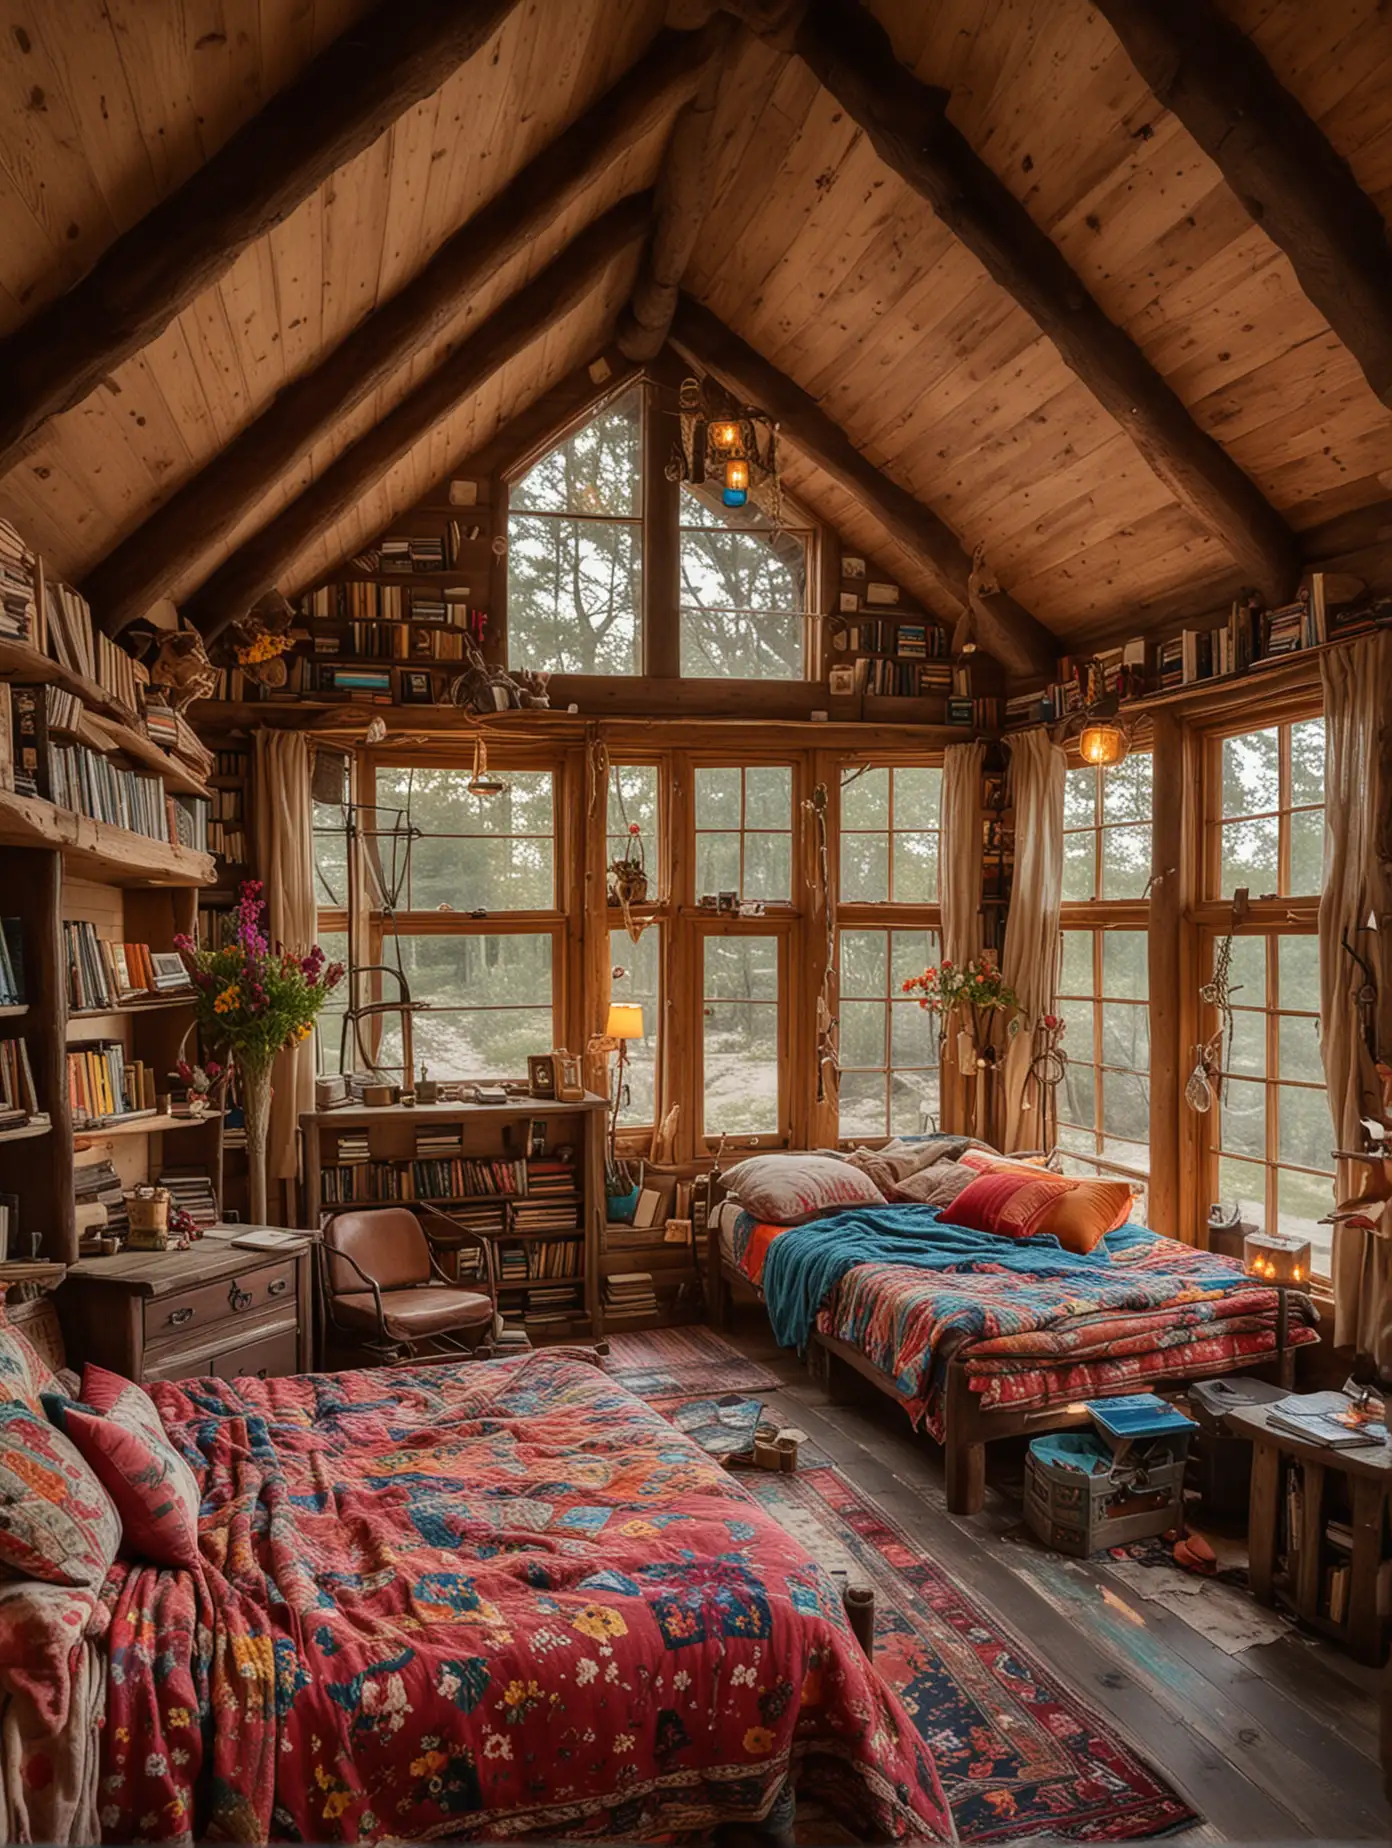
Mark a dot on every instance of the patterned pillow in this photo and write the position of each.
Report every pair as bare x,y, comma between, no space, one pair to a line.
24,1373
786,1190
57,1522
118,1431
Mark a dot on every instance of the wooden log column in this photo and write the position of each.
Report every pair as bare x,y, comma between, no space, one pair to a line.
1166,962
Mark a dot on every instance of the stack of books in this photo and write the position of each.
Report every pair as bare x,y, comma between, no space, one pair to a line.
628,1295
18,1099
486,1217
19,607
551,1306
97,1182
93,785
538,1216
12,990
192,1189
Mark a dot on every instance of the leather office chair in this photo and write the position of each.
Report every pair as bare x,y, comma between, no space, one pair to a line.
385,1289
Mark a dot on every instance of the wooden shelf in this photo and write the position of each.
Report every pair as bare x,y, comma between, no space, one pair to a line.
25,1132
141,1126
122,1008
96,849
23,662
35,1270
14,1010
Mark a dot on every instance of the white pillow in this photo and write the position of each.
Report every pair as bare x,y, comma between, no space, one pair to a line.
788,1190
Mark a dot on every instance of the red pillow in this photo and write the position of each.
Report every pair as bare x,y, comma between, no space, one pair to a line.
118,1431
1007,1202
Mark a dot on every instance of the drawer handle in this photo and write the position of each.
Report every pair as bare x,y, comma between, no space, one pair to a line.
240,1299
279,1287
179,1316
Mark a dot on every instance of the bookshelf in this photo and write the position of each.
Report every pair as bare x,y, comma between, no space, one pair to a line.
501,1170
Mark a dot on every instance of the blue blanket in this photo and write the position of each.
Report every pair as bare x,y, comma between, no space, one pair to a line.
804,1264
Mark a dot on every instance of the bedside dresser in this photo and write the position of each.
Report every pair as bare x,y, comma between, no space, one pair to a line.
172,1315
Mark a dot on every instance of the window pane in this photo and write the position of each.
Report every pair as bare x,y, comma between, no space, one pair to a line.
574,590
633,802
717,864
914,1103
1126,790
1077,1095
1247,1052
768,796
330,856
865,868
913,1036
1125,862
489,999
1252,773
1300,1049
915,868
865,799
1302,1200
764,793
911,952
863,1033
863,962
493,853
633,978
1077,1019
1250,856
594,472
1126,1036
861,1108
1079,866
740,1037
1126,1105
1246,969
1298,968
1242,1120
1307,852
768,867
1306,1129
1243,1183
329,1026
918,797
743,597
1125,964
1307,762
741,968
1080,798
1075,972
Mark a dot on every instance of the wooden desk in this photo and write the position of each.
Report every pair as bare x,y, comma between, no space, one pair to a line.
1369,1473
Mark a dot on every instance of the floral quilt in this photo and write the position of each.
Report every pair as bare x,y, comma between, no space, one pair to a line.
1148,1309
481,1600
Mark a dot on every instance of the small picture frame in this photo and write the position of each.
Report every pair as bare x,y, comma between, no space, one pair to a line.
852,567
881,596
541,1074
727,902
416,689
848,603
570,1085
841,680
168,966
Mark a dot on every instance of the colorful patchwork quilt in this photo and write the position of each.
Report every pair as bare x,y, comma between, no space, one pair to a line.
481,1600
1034,1328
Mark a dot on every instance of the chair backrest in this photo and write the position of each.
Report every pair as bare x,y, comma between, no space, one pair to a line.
386,1241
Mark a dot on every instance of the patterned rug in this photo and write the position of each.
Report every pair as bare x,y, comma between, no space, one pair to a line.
666,1363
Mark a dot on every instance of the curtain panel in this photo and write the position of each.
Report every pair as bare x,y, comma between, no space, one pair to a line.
1030,959
285,862
1357,891
959,877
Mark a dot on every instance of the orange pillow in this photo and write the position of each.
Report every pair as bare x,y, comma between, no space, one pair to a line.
1083,1216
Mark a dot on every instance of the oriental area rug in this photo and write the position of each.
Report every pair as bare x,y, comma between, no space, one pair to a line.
668,1363
1018,1752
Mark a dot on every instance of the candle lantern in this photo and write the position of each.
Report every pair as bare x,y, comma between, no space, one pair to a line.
1276,1257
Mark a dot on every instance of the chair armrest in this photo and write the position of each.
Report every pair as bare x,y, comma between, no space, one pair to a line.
328,1253
450,1232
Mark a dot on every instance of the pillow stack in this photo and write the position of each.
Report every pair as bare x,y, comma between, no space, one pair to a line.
1016,1199
788,1190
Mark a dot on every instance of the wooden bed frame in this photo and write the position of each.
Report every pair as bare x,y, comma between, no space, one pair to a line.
969,1426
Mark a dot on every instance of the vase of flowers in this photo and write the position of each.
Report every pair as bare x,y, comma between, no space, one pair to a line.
253,1000
973,1000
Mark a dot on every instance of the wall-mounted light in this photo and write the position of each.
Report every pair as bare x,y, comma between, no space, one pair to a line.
1103,741
1095,724
723,435
736,490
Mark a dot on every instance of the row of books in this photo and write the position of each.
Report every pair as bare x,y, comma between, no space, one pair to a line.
358,1177
102,974
984,714
12,989
18,1098
97,1184
391,641
103,1083
19,609
877,635
553,1305
228,842
75,641
230,763
192,1189
422,552
535,1262
897,679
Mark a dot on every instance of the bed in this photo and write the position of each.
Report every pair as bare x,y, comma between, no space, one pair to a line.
978,1337
481,1599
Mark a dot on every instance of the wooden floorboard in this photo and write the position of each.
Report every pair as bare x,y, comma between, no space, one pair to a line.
1274,1743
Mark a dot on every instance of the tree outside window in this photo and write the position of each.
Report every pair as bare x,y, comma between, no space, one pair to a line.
743,592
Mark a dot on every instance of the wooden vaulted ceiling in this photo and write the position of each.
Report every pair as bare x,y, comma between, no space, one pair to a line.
812,249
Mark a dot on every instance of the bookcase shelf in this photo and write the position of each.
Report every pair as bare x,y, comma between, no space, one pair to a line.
25,1132
132,1125
96,849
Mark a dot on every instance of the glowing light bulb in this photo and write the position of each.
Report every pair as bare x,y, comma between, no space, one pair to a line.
736,491
724,435
1101,741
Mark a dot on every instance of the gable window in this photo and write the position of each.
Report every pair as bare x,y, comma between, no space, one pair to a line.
889,835
744,831
743,592
1269,831
575,549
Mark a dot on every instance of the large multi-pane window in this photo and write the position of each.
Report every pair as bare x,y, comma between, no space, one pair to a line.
743,592
744,831
741,1038
441,847
1102,1107
575,549
889,834
1272,1132
889,1065
1268,832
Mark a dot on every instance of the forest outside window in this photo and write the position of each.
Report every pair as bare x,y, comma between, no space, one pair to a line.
741,1086
633,803
744,831
575,550
743,592
889,835
473,853
487,1000
1106,831
1268,831
1103,1103
890,1074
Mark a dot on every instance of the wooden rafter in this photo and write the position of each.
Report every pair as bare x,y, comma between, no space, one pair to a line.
1017,640
851,55
253,569
1209,73
348,96
682,194
150,560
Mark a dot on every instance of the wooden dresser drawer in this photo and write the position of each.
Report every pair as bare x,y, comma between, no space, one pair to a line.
263,1358
189,1311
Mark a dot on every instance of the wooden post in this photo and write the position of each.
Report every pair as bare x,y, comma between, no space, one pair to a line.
509,330
661,538
1166,923
352,93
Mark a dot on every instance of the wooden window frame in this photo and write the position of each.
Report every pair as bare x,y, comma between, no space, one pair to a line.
743,761
782,930
889,925
891,763
1099,829
806,528
1099,916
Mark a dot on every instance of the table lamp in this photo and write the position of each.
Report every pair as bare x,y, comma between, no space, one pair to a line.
625,1023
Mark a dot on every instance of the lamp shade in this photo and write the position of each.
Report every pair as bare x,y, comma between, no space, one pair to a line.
1103,741
624,1022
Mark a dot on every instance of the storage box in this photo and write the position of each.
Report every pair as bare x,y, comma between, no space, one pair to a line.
1079,1499
1221,1469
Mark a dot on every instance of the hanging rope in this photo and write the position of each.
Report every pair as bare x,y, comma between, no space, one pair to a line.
1204,1087
817,869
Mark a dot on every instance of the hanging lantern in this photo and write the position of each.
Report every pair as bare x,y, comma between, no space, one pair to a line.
1103,741
732,446
1102,738
736,491
723,435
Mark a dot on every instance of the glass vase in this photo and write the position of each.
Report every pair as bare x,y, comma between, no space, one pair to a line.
256,1107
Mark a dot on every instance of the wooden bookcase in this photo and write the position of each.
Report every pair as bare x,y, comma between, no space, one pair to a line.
486,1132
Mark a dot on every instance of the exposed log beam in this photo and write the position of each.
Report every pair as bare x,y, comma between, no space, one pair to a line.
150,560
1278,162
1017,640
906,121
253,569
682,194
349,95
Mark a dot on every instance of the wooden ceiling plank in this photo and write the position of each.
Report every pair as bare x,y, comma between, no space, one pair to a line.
235,585
337,107
1276,160
1010,633
145,566
906,119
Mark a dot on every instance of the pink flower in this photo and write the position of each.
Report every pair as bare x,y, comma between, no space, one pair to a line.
185,1071
633,828
213,1069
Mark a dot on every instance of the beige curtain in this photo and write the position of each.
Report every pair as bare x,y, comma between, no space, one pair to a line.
1357,887
1030,959
959,856
285,862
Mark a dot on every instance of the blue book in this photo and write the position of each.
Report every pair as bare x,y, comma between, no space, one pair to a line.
1137,1414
